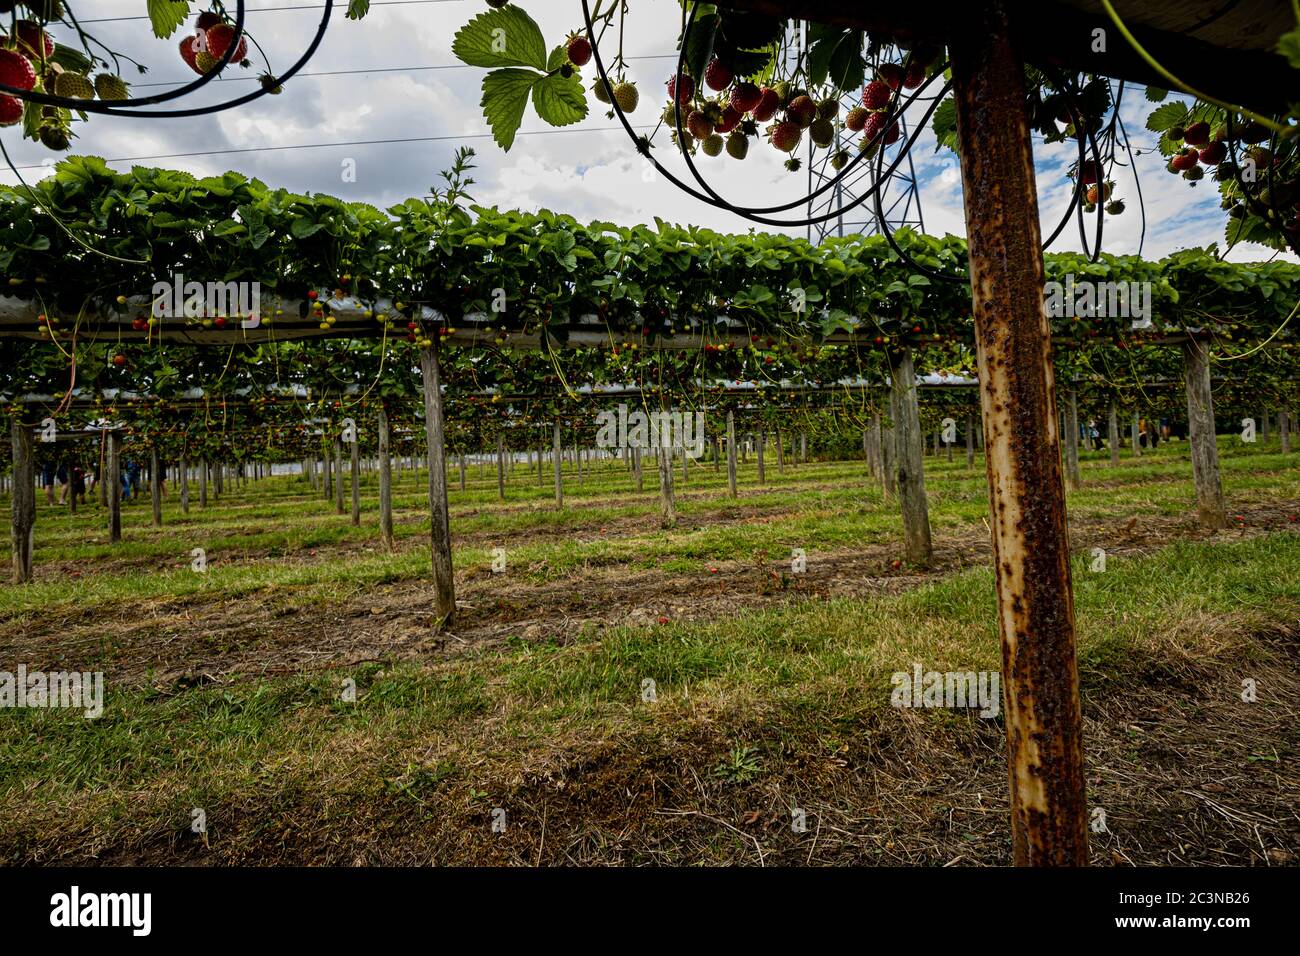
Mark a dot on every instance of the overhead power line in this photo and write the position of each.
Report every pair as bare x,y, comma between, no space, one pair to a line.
299,6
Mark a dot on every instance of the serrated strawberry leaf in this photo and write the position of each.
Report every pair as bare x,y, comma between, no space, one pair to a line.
505,37
505,97
1156,95
699,44
560,101
358,9
1166,116
166,16
945,125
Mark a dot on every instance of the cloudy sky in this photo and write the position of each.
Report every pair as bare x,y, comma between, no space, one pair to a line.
588,170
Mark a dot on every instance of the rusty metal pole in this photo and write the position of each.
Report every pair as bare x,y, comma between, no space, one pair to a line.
1030,544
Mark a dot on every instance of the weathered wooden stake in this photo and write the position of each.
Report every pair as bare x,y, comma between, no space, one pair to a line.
155,487
731,454
1027,501
115,487
24,496
444,582
1112,434
1210,506
385,482
356,482
910,459
557,450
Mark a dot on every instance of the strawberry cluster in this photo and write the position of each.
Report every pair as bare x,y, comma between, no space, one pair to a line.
212,37
27,63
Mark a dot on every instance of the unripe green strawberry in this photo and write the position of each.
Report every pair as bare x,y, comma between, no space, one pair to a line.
601,90
55,138
839,160
828,108
737,145
783,92
205,61
110,87
74,86
822,132
712,145
627,97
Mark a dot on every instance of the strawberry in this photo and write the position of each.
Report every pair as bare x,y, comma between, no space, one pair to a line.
626,96
1214,153
579,50
713,145
219,39
855,119
16,70
1088,172
188,53
55,138
1198,134
891,74
914,76
207,20
801,111
731,117
875,126
681,87
205,62
74,86
822,132
718,75
737,145
11,110
785,136
110,87
875,95
839,160
769,101
698,124
1184,160
602,91
746,97
33,41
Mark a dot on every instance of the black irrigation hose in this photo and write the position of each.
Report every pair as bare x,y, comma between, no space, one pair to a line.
125,107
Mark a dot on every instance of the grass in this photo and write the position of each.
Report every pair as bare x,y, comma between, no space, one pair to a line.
756,704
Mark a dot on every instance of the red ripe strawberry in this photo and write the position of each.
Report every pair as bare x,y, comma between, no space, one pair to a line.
730,118
699,125
16,70
855,119
1215,153
1088,172
11,110
802,110
785,136
891,74
876,124
875,95
769,101
32,40
207,20
1185,159
219,39
681,88
579,50
189,52
746,97
914,76
718,75
1198,134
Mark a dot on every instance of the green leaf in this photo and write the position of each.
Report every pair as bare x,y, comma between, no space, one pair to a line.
505,37
70,59
1156,95
945,125
699,44
166,16
560,101
847,68
1288,44
358,9
1171,114
505,97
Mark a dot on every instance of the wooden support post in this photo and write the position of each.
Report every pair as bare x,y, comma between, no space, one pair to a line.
803,447
102,490
327,464
356,482
762,471
970,441
667,507
1135,439
203,482
338,476
1112,434
115,487
183,475
444,583
557,451
889,454
1210,506
1027,501
1073,477
910,459
780,452
24,496
541,469
385,481
731,454
155,487
501,467
1284,430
